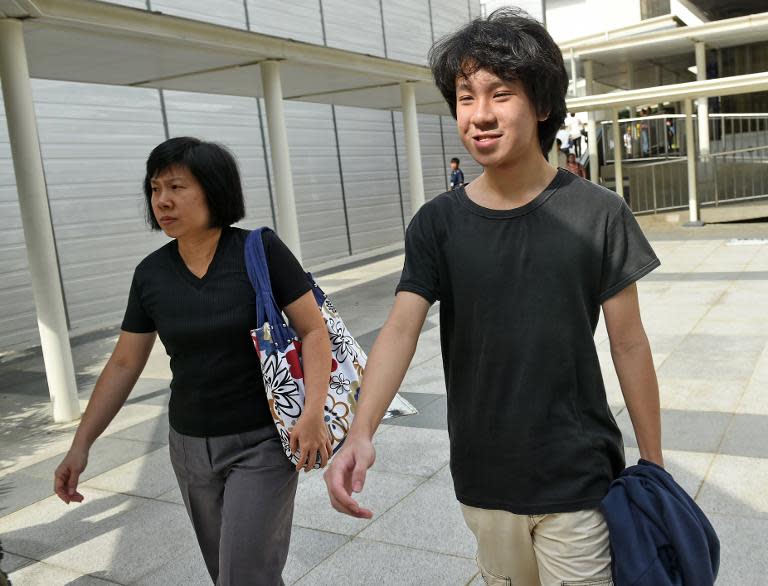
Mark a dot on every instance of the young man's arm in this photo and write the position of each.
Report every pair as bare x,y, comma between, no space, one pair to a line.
387,364
632,358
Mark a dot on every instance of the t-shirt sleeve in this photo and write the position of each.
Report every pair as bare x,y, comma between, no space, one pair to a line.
627,254
421,273
289,281
136,319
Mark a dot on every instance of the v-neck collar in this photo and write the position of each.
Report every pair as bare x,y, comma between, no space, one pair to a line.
189,276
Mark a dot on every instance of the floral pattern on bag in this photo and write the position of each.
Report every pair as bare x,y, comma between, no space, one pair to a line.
284,379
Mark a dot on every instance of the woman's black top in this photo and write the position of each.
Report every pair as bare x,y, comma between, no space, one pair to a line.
205,325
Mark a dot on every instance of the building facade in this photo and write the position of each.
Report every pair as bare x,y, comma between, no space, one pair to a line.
349,170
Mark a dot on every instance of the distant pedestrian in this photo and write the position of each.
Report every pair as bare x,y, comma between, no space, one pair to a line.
574,166
565,139
237,485
573,124
457,175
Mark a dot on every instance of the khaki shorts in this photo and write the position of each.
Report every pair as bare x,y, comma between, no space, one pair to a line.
561,549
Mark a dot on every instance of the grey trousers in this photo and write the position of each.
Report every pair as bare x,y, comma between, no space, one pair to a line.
239,491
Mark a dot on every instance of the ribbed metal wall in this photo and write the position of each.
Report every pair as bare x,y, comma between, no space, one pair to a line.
95,140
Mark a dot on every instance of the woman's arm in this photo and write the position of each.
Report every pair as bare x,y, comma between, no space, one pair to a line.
310,434
112,389
632,358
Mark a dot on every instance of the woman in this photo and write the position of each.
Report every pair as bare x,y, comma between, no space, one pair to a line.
574,166
194,292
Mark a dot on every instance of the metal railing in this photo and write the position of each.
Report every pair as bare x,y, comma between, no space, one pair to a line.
647,137
736,168
662,136
662,185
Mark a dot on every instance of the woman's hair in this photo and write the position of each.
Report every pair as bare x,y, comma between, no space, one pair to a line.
515,47
212,165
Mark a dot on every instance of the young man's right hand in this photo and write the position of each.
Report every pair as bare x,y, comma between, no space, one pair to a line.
67,474
346,475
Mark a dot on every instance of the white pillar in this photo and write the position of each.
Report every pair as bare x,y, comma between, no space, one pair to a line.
574,78
631,75
412,145
594,158
702,103
36,218
287,221
690,147
617,145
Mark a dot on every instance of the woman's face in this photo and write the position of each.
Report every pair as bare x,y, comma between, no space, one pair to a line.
571,158
179,202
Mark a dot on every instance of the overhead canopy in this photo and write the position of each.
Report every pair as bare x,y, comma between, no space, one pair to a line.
724,86
98,42
659,44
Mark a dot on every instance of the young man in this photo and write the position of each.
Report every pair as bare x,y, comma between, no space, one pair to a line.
457,175
521,261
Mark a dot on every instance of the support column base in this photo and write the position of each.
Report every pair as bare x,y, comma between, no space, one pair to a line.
693,224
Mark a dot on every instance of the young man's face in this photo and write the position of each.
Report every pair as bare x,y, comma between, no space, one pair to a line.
496,119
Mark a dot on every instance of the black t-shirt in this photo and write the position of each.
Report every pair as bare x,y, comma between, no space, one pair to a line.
520,293
205,326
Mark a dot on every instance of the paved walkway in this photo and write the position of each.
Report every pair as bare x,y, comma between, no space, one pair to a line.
706,312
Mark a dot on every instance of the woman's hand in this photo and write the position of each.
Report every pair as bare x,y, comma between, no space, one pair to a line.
310,437
67,474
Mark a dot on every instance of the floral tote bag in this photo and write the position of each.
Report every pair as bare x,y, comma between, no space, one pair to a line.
279,351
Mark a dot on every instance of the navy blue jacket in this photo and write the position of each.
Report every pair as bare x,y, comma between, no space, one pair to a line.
659,536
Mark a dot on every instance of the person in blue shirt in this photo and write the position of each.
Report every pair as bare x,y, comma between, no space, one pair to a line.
457,175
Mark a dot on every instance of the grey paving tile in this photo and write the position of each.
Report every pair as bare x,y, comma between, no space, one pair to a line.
697,394
381,492
427,377
186,568
747,436
736,486
728,358
12,562
432,412
126,547
51,526
155,431
688,431
755,398
106,454
410,450
366,562
428,519
43,574
444,475
172,496
148,476
743,550
308,549
18,490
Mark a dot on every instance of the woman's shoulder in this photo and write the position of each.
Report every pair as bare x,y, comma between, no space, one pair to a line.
157,257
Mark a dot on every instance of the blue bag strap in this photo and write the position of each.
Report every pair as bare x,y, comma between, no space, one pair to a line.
267,309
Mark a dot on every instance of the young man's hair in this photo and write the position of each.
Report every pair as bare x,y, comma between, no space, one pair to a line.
515,47
455,160
212,165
